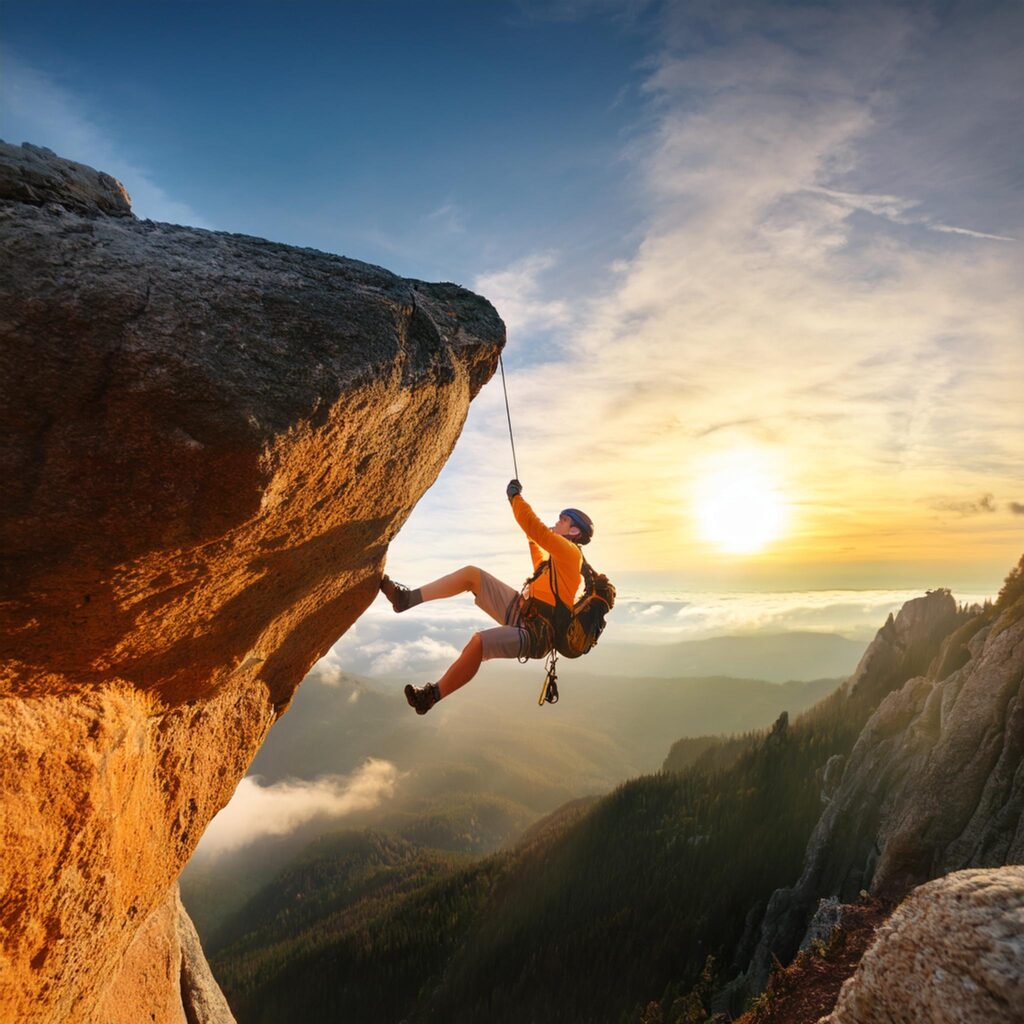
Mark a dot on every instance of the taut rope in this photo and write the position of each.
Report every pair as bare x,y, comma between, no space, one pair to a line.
509,415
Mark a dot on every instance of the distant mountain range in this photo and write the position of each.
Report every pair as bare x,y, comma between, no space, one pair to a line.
775,657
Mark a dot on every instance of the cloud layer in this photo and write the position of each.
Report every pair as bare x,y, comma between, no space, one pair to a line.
257,811
421,643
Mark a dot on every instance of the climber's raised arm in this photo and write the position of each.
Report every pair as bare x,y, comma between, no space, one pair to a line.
539,534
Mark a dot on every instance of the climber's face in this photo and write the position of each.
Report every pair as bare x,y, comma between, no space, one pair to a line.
565,527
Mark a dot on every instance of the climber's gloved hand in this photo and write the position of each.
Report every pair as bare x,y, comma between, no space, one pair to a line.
514,488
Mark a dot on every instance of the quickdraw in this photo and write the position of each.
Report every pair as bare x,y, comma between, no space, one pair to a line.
549,691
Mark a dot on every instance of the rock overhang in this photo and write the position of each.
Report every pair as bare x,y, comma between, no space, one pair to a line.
210,439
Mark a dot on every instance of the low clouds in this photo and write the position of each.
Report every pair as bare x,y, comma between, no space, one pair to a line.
256,811
423,636
699,616
420,643
387,657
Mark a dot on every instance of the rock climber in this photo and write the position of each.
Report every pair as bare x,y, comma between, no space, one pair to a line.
526,619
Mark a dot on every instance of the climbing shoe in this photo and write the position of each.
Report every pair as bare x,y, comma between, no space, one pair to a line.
401,598
422,698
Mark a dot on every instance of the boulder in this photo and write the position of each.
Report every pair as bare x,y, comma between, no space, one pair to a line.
209,441
953,953
36,175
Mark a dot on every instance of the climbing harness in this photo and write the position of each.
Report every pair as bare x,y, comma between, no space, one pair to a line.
571,632
533,617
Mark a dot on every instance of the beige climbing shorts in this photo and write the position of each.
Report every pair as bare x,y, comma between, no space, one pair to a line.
501,602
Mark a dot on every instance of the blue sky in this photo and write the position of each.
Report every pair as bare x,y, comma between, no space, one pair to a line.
439,140
783,239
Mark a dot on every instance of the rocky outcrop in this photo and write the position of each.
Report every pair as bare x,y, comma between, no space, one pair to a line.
34,175
208,442
164,976
935,782
807,988
953,953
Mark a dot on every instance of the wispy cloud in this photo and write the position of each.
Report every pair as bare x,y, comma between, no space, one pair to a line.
782,301
449,216
521,295
969,232
899,211
256,811
970,507
41,110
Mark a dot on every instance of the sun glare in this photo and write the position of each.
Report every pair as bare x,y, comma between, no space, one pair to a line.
738,505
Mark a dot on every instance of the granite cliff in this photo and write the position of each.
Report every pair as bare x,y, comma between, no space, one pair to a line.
208,442
934,785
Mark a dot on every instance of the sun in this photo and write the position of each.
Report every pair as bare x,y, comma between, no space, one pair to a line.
738,504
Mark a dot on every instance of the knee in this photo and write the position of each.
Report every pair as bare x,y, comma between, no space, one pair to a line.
471,577
475,647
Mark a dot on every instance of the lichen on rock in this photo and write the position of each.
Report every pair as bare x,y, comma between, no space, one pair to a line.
953,953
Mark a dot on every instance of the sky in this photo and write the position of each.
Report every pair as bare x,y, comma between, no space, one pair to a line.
760,263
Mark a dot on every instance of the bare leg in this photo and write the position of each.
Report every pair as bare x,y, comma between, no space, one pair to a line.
464,667
459,582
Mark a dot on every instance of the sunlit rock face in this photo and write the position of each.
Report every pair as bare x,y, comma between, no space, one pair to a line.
208,442
164,975
953,953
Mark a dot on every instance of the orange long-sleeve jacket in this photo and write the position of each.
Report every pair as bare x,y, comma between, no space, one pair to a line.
566,557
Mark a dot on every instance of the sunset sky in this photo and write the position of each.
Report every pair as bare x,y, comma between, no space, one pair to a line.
760,263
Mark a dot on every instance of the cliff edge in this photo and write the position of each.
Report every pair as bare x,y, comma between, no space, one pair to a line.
209,441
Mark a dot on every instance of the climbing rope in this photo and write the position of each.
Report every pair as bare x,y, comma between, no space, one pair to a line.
549,691
509,415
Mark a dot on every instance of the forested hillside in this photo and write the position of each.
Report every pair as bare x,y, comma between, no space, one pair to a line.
482,767
597,914
599,911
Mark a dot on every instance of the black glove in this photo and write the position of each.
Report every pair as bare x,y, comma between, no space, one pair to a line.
514,488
